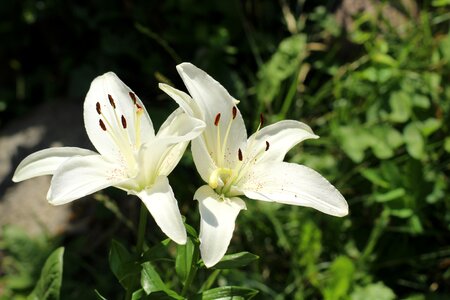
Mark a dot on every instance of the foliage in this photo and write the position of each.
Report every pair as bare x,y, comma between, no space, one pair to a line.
376,92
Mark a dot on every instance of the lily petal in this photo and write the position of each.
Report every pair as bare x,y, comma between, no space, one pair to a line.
183,100
162,154
81,176
45,162
162,205
277,139
218,216
117,109
204,163
220,115
293,184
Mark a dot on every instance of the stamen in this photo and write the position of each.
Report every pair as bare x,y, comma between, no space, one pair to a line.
102,125
267,146
132,96
98,108
217,119
138,106
261,120
234,111
111,101
240,154
124,122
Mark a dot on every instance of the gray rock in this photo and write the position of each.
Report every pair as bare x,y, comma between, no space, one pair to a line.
24,204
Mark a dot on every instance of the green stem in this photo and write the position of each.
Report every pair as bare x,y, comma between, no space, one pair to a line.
141,229
192,271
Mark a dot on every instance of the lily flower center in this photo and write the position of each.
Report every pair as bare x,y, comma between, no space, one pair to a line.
115,125
225,179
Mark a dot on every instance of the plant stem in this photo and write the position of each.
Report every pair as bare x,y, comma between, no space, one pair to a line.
141,228
192,270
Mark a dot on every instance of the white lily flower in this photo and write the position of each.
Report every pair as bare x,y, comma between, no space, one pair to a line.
131,157
233,165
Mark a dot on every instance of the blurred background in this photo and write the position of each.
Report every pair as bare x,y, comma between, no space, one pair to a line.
370,77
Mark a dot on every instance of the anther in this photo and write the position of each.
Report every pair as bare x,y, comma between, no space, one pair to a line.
217,119
102,125
124,122
234,111
132,96
267,146
138,106
98,108
240,154
111,101
261,120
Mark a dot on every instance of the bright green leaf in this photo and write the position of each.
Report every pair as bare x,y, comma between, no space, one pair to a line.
415,143
49,284
374,291
150,279
183,260
124,266
391,195
374,176
340,278
400,107
227,293
236,260
447,144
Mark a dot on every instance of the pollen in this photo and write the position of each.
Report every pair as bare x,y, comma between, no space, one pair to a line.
234,111
240,154
267,146
124,122
217,119
111,101
102,125
98,108
132,96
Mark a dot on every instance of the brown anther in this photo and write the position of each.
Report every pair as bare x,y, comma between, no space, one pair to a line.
240,154
102,125
261,120
234,111
111,101
98,108
217,119
138,106
132,96
267,146
124,122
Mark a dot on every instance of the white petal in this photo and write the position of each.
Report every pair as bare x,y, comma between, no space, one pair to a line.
81,176
180,126
45,162
116,140
213,99
183,100
293,184
203,161
160,155
218,216
280,138
162,205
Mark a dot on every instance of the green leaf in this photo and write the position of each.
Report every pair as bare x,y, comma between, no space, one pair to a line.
340,277
391,195
157,252
236,260
150,279
183,260
429,126
227,293
49,284
415,144
374,176
151,282
124,266
283,64
400,106
374,291
447,144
